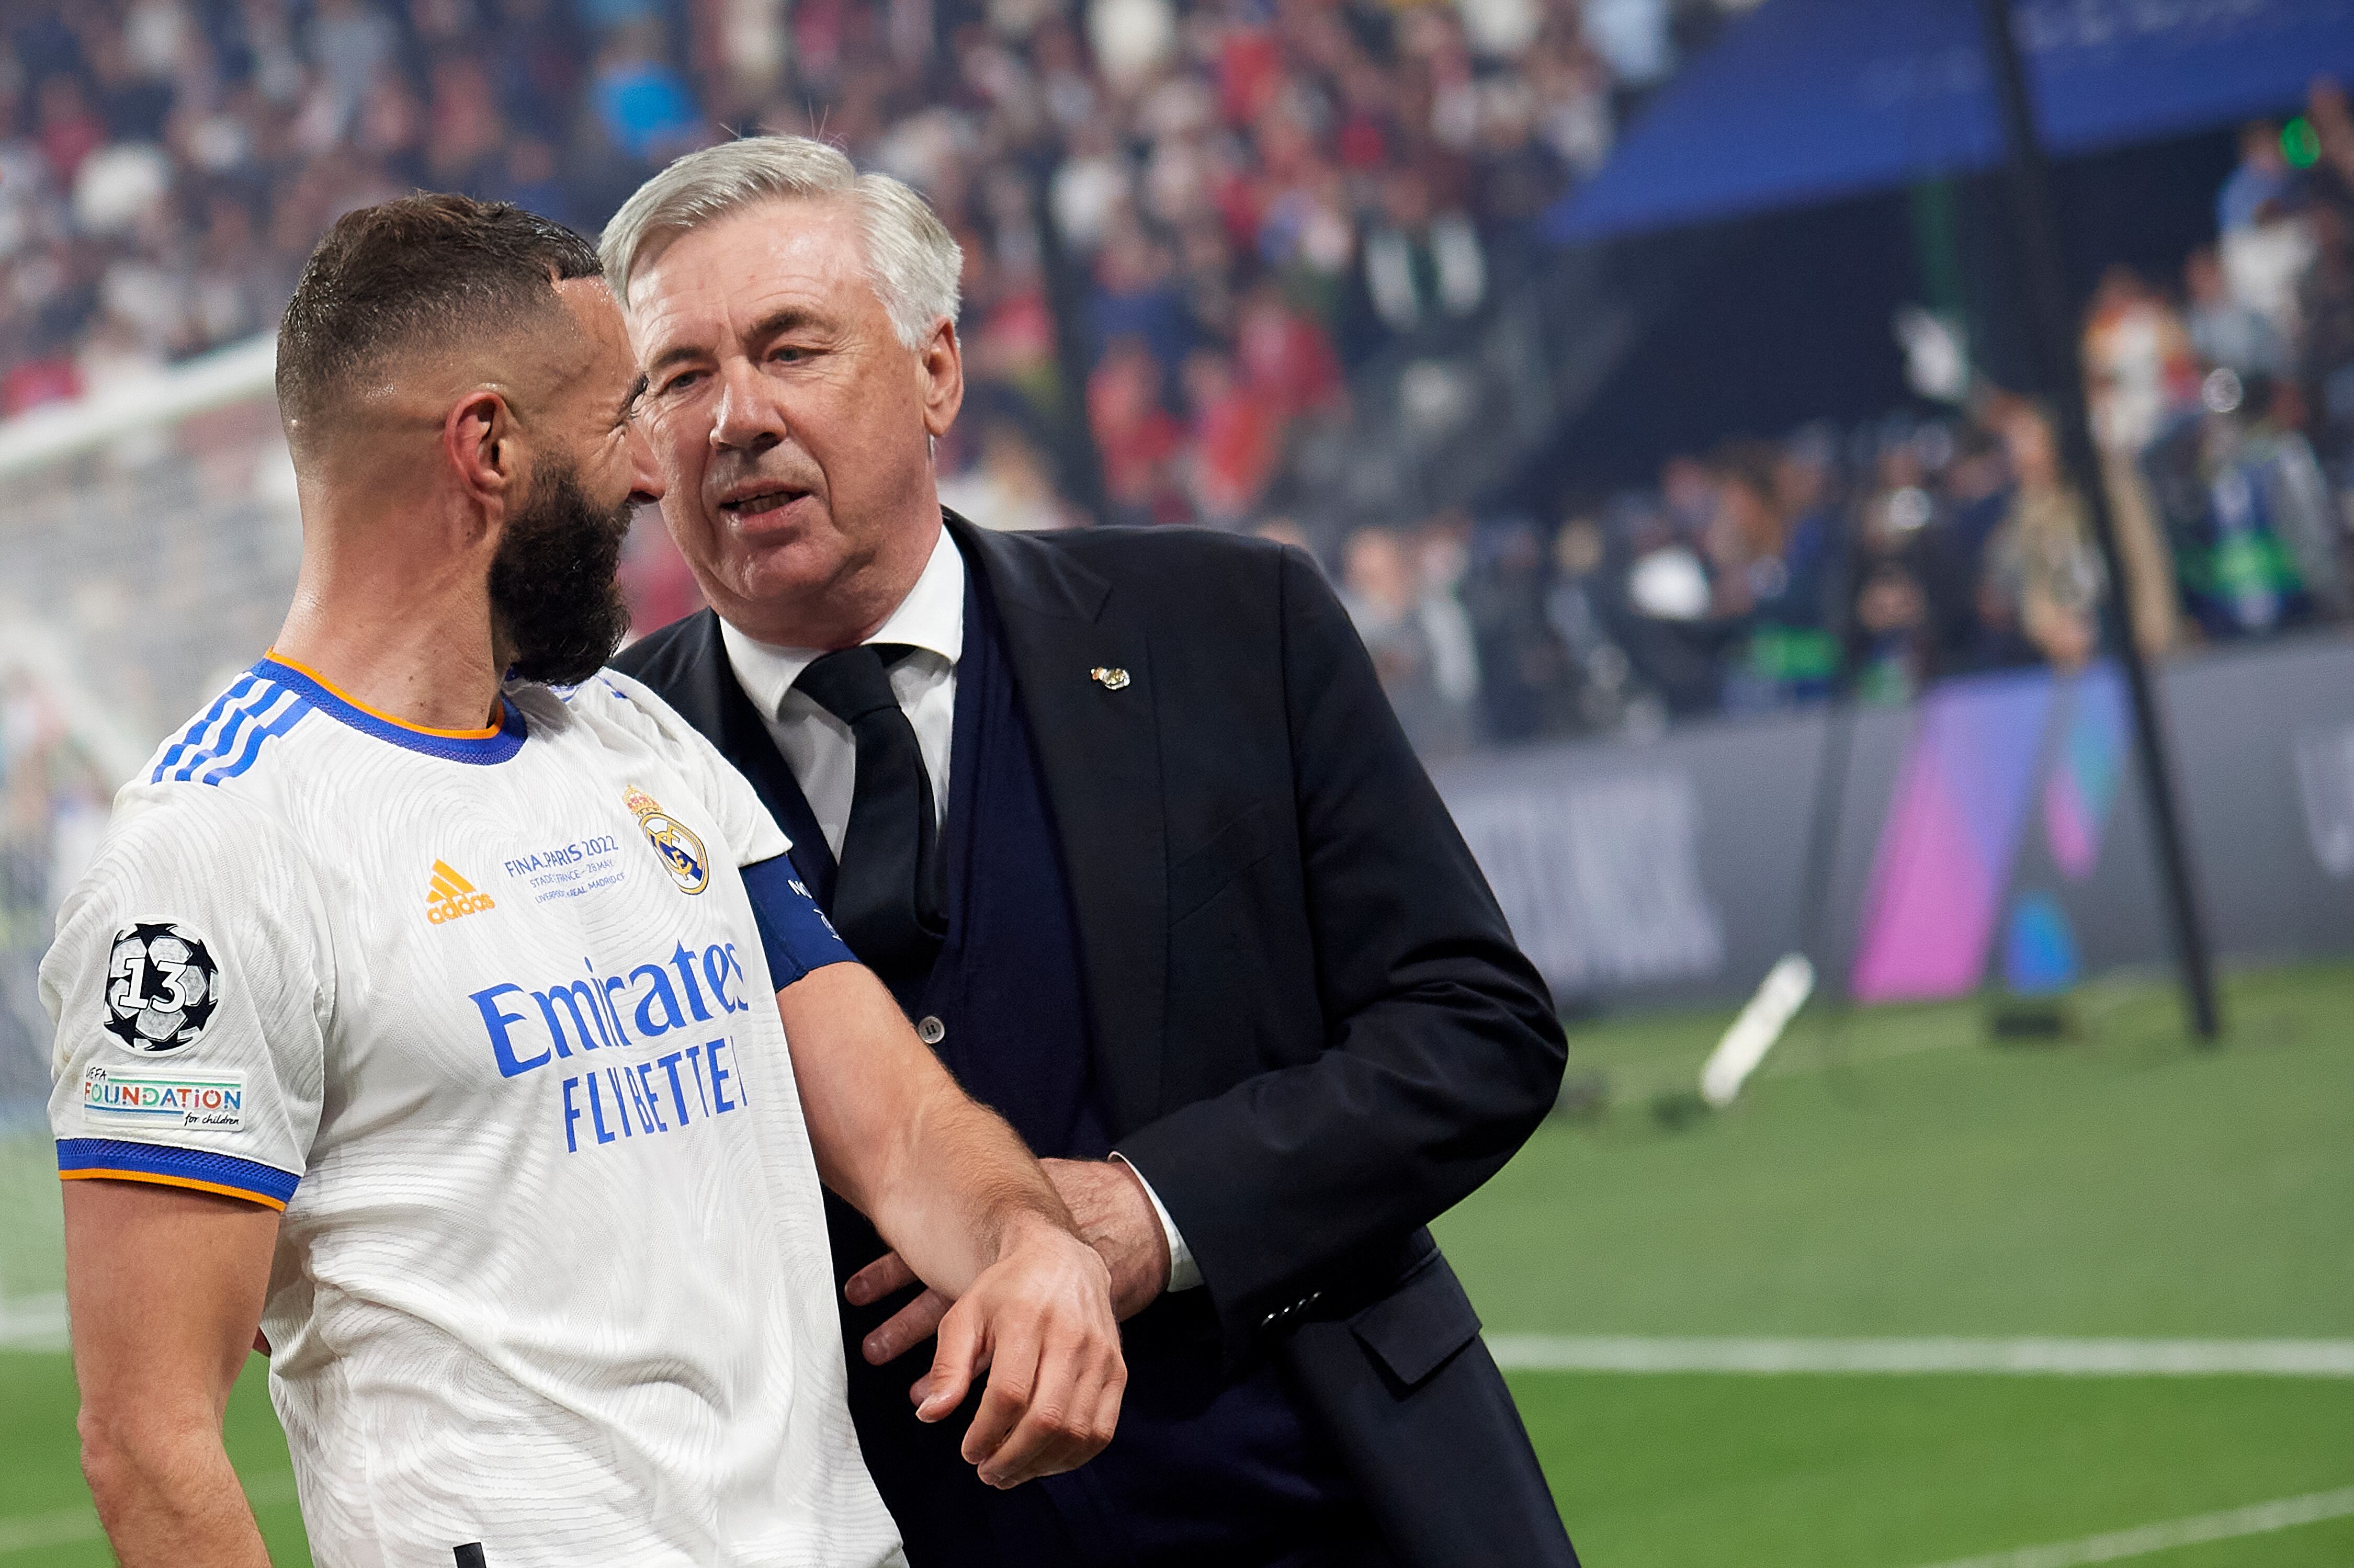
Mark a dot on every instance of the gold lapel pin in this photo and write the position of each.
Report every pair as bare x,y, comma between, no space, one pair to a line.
1111,680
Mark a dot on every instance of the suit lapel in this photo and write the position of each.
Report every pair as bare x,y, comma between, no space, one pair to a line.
1099,749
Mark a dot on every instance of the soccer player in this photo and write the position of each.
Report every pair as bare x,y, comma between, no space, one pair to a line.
435,1025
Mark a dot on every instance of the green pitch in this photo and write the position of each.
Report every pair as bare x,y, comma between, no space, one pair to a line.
1887,1175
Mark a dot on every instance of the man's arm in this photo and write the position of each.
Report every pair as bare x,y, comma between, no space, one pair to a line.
1113,1214
949,1185
164,1288
1441,1051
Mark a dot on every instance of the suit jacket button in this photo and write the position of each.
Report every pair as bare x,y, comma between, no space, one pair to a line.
931,1030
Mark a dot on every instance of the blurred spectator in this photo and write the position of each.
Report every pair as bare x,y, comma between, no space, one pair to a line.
1525,688
642,106
2043,579
1423,265
2140,372
1011,487
1418,639
2262,188
2256,540
2225,332
1891,636
1952,560
2264,242
2326,307
1233,438
1770,545
1136,436
1582,611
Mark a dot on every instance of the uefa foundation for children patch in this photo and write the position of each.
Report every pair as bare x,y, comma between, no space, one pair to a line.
128,1099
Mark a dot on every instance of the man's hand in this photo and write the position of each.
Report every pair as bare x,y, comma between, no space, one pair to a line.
1113,1215
973,1215
1040,1320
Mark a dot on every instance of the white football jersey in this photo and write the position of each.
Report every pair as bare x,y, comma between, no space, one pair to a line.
488,1014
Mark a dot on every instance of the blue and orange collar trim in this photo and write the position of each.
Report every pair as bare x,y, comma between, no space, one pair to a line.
492,743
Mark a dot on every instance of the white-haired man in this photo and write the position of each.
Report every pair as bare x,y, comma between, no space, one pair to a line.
1125,824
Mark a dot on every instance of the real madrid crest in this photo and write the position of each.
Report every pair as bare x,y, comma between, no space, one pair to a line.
680,852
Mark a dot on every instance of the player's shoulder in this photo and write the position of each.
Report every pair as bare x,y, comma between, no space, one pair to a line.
236,745
226,778
611,702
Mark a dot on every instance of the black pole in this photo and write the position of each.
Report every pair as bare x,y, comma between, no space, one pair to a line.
1065,276
2053,345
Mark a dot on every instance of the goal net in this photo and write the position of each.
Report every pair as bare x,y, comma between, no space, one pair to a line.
151,539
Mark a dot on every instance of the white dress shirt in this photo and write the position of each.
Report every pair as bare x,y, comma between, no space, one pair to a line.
824,756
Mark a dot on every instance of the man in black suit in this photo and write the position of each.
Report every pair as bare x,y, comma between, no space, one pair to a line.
1126,824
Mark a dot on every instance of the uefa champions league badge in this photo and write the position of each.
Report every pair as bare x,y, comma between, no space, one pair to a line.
680,852
162,987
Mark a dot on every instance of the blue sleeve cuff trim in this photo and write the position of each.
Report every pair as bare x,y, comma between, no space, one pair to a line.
202,1167
794,932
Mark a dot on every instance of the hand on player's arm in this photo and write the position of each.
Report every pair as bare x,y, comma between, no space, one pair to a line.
1108,1202
164,1288
953,1190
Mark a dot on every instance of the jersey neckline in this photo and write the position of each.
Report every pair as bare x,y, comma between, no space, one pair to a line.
494,743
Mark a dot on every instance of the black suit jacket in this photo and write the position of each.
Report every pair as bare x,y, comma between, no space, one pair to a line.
1313,1032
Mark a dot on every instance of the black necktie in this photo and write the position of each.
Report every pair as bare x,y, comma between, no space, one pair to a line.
886,904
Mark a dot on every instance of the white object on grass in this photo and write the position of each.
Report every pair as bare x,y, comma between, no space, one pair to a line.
2231,1524
1779,996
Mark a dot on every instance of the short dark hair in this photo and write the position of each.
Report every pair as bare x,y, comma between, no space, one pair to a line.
412,271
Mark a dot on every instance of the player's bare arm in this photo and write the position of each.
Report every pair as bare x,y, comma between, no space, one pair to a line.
164,1287
953,1190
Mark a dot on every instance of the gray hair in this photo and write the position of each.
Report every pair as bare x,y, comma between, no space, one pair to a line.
912,260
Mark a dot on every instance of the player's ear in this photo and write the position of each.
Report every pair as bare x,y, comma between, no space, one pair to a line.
479,438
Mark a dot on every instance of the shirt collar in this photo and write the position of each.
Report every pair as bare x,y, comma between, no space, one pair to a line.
930,617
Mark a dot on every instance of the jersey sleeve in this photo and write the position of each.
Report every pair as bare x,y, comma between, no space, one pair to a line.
752,833
191,984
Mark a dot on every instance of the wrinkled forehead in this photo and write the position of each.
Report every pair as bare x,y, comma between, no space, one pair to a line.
740,266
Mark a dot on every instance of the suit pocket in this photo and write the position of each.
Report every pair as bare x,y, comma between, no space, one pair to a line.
1204,874
1418,1327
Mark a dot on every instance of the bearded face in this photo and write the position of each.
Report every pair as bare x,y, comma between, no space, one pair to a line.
555,591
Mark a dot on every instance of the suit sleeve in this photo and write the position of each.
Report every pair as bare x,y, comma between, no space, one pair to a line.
1442,1051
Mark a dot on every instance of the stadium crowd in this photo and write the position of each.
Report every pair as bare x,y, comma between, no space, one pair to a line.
1240,196
1217,208
1936,541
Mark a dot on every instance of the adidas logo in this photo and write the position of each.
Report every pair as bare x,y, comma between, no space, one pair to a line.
452,897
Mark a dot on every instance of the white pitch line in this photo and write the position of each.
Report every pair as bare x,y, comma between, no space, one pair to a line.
33,1322
2257,1518
2028,1357
67,1527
